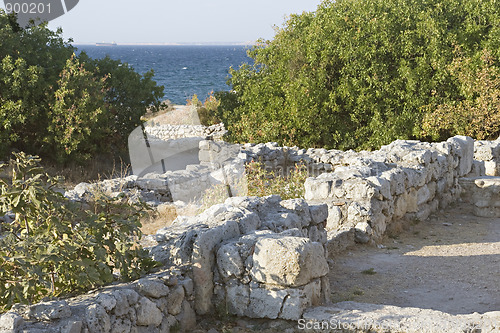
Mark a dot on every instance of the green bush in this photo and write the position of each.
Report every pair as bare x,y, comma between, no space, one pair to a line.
208,111
477,113
63,107
128,96
54,247
357,73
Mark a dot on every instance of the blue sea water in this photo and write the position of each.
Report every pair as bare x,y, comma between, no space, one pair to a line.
183,70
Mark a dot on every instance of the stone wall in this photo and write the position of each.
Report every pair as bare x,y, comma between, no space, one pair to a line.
158,303
263,257
369,193
257,257
165,132
486,158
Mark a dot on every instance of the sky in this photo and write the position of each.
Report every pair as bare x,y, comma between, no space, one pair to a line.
177,21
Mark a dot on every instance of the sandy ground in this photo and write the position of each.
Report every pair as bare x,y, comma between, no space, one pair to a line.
449,263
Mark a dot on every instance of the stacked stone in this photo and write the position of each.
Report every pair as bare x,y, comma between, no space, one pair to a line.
262,257
486,158
405,180
483,193
172,132
282,159
158,303
153,191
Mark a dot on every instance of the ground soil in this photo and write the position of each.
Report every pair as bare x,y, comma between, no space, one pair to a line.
450,263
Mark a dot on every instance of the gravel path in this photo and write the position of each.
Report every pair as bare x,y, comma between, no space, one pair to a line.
449,263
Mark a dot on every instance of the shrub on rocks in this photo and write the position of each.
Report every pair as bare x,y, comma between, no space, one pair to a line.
52,246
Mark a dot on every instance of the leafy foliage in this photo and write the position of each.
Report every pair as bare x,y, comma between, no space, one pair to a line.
478,113
61,106
357,73
129,95
54,247
208,111
77,113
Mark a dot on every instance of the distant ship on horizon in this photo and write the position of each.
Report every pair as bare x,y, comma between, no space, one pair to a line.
106,44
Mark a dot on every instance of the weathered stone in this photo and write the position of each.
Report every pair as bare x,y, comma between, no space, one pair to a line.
490,168
188,285
362,317
122,304
148,313
73,327
265,303
161,303
152,287
423,195
175,299
412,201
11,322
288,261
298,300
203,260
281,221
247,221
301,208
121,325
187,317
167,323
97,319
107,301
237,298
229,261
400,207
319,213
383,186
463,146
50,310
363,232
325,291
334,217
483,193
316,189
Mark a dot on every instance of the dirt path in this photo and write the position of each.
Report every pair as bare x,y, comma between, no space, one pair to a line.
449,263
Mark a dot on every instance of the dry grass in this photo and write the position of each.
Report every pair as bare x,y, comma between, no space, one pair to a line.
159,218
177,115
99,168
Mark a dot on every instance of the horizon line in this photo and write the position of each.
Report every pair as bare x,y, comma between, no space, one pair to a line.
171,44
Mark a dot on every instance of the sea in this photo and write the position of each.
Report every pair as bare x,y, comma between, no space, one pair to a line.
183,70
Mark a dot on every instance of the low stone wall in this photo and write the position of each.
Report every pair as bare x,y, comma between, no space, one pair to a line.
165,132
405,180
158,303
264,257
257,257
486,158
366,191
483,193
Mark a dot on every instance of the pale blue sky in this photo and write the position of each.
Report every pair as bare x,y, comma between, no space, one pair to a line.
169,21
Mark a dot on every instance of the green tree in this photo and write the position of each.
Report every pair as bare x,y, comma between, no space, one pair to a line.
477,113
49,99
77,120
17,83
357,73
129,95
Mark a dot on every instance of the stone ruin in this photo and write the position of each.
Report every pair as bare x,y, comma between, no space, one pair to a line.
267,257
